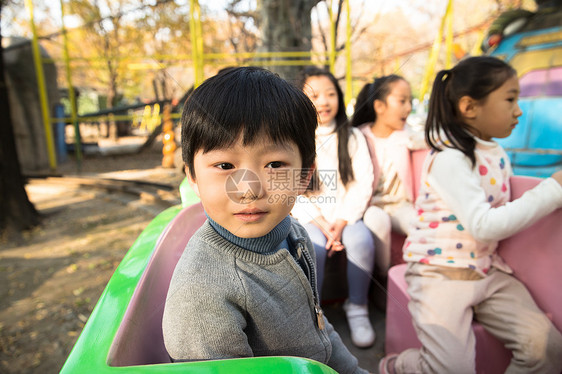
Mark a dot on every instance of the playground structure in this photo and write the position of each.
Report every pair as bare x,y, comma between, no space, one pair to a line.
534,51
153,112
199,60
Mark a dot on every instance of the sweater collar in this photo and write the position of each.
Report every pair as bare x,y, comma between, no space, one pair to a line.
268,243
326,130
485,143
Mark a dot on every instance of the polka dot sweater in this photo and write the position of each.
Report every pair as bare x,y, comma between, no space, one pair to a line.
463,211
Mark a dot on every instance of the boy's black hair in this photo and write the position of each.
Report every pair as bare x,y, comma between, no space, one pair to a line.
475,77
342,124
251,102
379,89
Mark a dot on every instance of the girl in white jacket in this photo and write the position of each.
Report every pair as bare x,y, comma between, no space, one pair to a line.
332,211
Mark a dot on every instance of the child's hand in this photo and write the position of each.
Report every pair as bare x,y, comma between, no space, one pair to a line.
557,176
334,240
336,229
332,243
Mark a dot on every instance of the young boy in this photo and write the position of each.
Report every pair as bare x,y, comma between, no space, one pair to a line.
245,285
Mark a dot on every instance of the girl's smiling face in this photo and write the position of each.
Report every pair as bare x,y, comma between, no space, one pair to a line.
394,110
323,94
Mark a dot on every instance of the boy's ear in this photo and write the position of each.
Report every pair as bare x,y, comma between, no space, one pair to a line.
468,107
305,181
192,182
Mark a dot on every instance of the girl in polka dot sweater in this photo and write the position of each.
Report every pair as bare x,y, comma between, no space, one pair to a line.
463,209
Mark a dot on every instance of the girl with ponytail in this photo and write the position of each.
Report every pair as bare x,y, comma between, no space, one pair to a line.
455,275
381,110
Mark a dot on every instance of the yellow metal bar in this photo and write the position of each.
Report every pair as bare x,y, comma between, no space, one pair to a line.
42,89
434,54
477,49
269,63
225,60
149,60
348,77
123,117
304,54
71,95
280,62
192,37
332,52
200,52
397,66
449,37
194,29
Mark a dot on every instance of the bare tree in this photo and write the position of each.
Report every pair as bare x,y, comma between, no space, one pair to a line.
242,27
17,213
356,29
286,26
283,26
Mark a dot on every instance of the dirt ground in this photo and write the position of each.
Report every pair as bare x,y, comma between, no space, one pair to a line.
51,281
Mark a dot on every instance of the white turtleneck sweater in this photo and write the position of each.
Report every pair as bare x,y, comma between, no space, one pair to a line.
334,200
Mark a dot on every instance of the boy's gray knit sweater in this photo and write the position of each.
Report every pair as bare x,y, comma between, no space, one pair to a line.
225,301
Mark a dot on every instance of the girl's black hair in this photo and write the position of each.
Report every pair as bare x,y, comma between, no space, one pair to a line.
342,124
250,102
364,103
475,77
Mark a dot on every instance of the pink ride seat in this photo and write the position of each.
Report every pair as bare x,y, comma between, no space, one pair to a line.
534,255
139,340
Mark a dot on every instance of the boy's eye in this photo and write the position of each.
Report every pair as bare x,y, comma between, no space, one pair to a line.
275,164
225,166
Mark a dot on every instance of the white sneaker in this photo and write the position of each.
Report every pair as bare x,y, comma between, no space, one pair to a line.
362,333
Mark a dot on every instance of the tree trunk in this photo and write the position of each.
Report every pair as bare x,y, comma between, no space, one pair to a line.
17,213
286,26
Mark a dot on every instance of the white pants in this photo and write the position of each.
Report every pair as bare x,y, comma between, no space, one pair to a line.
444,302
381,222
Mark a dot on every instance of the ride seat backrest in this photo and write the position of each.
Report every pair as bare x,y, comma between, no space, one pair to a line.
535,255
139,340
